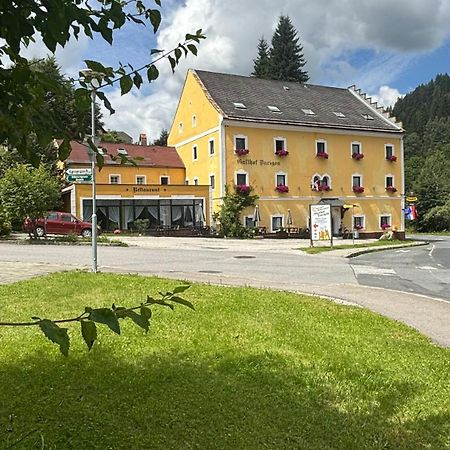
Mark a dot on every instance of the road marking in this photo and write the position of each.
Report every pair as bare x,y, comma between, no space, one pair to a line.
427,268
369,270
402,251
432,250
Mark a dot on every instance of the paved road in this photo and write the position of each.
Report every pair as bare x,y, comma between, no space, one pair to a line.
423,270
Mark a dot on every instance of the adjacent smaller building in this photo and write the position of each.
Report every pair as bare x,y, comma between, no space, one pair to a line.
153,188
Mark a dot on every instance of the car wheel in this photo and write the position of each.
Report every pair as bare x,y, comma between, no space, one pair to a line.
40,232
86,232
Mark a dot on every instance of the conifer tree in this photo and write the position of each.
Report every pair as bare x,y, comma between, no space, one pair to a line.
261,63
286,57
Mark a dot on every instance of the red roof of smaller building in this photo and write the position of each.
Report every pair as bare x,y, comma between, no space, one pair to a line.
149,155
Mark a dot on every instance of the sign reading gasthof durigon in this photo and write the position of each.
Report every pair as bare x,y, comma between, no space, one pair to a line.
320,222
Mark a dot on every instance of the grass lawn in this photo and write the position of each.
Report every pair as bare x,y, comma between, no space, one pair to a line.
249,369
314,250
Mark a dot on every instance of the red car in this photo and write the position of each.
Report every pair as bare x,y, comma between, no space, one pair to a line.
59,223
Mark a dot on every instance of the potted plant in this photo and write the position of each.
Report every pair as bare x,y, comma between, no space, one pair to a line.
242,189
358,156
358,189
323,155
391,158
281,188
281,153
391,189
241,151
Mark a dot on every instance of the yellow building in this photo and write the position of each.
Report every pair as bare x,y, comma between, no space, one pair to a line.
153,189
295,145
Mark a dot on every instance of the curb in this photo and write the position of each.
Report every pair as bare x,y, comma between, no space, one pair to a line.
72,244
380,249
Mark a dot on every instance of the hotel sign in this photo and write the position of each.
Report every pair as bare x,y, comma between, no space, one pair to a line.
79,175
258,162
320,222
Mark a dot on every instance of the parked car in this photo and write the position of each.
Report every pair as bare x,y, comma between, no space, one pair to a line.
59,223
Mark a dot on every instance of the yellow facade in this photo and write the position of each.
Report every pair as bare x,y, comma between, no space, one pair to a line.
261,165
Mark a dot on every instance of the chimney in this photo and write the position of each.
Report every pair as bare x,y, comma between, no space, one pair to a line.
142,139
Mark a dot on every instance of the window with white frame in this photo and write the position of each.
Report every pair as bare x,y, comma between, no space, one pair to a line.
194,152
114,179
321,146
315,182
140,179
180,127
279,144
277,222
194,121
389,181
385,221
164,180
240,142
357,180
389,150
326,182
356,148
212,181
186,181
359,222
249,222
195,181
211,147
241,178
280,179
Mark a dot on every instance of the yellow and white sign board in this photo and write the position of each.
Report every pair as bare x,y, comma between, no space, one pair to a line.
321,223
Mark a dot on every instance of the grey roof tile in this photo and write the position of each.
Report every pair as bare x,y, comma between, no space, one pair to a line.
291,98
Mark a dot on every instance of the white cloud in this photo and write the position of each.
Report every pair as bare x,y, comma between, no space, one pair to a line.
387,96
394,33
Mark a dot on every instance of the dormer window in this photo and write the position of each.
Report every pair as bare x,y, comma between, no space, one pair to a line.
309,112
368,117
239,105
339,114
274,109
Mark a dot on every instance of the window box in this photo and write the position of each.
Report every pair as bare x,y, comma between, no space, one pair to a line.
281,188
358,189
242,189
241,151
323,155
391,158
358,227
385,226
391,189
358,156
281,153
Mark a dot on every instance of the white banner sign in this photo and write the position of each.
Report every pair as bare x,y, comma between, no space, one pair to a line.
320,222
79,172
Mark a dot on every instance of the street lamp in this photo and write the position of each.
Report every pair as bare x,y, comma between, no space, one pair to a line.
94,80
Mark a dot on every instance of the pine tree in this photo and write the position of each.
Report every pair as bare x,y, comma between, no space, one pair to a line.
286,57
261,63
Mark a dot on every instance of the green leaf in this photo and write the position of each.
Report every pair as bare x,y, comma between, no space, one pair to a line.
99,67
173,63
153,301
89,332
180,289
82,99
105,101
152,73
158,2
155,19
155,50
192,48
56,334
178,54
139,320
182,301
64,150
137,80
107,317
126,83
146,312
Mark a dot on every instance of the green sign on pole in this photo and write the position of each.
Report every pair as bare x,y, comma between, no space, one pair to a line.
79,178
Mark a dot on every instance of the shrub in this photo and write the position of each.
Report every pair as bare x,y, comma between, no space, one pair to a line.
5,224
141,225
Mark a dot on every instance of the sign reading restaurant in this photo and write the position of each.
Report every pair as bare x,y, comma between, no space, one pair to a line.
255,162
321,223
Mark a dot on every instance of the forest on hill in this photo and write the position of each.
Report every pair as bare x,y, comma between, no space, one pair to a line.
425,113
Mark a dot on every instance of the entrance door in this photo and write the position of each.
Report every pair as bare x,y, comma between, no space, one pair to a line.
336,219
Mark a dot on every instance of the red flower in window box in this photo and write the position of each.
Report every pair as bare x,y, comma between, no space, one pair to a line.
358,227
391,158
282,188
358,189
323,155
391,189
281,153
358,156
324,187
243,189
242,151
385,226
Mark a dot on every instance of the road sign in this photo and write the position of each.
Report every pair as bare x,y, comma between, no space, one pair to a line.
411,199
79,178
77,172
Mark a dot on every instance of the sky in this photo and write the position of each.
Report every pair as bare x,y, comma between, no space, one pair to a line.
384,47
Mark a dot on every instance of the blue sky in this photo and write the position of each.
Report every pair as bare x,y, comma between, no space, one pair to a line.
386,48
